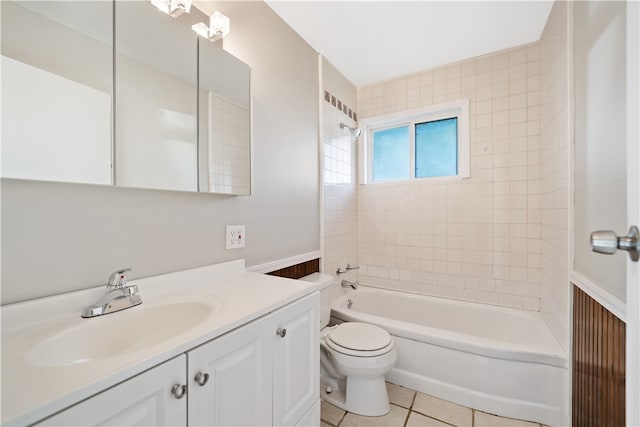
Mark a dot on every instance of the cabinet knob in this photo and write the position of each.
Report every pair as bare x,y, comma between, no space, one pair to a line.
281,331
179,391
201,378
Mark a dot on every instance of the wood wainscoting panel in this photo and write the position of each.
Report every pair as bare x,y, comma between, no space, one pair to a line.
598,397
299,270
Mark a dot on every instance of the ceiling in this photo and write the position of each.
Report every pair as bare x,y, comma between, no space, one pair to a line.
371,41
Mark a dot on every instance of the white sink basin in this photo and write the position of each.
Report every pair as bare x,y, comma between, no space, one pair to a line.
119,333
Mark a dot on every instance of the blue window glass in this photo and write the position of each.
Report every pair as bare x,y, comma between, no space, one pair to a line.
391,154
437,148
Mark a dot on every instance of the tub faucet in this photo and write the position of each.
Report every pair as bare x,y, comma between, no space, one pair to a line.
118,296
348,284
348,268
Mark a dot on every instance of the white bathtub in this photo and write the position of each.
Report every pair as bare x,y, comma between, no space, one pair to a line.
498,360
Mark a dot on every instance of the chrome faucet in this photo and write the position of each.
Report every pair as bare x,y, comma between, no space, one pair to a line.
348,268
348,284
118,278
118,296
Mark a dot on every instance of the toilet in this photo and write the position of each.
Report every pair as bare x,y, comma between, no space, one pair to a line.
354,358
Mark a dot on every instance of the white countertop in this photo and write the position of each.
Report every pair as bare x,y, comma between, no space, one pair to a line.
31,392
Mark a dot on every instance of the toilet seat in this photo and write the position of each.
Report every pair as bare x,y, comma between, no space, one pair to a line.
359,339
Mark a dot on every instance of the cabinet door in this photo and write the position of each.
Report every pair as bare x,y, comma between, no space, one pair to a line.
144,400
296,363
237,369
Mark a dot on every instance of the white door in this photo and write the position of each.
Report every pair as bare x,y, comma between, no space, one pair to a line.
607,159
296,360
144,400
230,378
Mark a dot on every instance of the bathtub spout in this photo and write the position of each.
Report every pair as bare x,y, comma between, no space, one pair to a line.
348,284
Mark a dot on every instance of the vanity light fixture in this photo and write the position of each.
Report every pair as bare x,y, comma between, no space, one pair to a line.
218,28
173,8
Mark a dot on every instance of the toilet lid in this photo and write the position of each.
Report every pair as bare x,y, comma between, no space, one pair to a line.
360,336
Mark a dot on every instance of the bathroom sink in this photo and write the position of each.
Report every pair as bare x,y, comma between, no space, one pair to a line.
120,332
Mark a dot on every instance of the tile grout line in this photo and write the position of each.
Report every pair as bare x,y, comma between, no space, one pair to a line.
342,419
410,410
413,399
327,422
438,419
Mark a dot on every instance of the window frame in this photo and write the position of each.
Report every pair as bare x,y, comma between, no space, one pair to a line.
458,109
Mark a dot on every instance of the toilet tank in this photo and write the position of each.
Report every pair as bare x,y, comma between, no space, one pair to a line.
323,283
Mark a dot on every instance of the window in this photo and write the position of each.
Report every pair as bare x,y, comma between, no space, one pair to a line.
426,143
391,154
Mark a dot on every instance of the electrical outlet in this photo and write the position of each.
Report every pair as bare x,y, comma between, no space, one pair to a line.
235,236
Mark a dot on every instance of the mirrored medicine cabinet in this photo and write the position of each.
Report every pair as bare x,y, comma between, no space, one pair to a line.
121,94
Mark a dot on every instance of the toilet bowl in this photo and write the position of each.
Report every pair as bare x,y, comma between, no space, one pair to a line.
354,358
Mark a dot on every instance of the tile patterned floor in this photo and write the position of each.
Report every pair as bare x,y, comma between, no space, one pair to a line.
413,409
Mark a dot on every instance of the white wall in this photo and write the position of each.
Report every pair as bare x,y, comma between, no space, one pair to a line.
476,239
554,159
63,237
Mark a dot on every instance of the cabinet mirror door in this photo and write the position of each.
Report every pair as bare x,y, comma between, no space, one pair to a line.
57,86
156,106
224,121
72,112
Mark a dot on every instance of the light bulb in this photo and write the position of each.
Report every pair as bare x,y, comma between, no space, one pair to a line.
219,25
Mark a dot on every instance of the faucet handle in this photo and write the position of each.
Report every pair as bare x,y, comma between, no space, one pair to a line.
118,278
351,267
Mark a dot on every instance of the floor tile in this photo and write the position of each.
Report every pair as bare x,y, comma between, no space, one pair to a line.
400,396
419,420
486,420
443,410
395,418
331,414
323,424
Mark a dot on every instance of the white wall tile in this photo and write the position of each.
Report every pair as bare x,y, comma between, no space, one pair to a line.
476,240
340,201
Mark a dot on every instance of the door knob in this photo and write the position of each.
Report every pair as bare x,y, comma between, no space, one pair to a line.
201,378
179,391
281,332
608,242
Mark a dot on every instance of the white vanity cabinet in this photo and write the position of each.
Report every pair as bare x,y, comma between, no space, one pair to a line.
144,400
230,378
263,373
296,361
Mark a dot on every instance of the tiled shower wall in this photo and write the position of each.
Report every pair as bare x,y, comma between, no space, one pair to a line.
339,186
554,160
477,239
